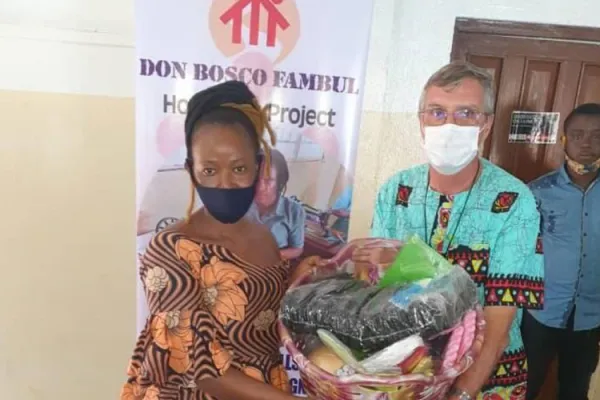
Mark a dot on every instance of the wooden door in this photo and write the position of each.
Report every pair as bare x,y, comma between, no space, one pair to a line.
536,68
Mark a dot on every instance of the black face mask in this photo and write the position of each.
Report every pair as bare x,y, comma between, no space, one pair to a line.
226,205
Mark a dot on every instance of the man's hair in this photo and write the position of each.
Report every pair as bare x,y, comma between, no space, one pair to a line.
451,75
584,109
279,162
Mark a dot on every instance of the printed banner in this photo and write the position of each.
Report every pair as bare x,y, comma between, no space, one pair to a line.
304,60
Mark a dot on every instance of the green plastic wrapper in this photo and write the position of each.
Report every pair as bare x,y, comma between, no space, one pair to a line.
415,261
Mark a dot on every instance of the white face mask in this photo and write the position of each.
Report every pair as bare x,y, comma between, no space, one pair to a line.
449,148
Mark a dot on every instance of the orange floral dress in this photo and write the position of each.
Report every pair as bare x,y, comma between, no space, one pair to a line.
210,310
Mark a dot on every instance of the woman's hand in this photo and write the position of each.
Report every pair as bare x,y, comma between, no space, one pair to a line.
306,265
235,385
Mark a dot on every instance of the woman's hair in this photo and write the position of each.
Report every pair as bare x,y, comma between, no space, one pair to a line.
228,103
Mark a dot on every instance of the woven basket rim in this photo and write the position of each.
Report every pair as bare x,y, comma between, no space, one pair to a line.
308,368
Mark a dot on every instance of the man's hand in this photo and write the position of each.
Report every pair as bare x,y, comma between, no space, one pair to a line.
375,255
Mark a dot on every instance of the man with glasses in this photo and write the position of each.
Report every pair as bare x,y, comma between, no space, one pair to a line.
475,214
569,324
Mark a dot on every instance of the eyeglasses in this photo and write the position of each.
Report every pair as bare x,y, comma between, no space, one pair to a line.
465,117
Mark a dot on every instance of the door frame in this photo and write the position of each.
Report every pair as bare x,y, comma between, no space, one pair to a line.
526,29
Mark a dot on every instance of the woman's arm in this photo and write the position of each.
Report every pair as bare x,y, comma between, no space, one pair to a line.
234,385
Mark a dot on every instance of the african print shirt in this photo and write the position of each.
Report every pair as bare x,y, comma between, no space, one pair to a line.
491,232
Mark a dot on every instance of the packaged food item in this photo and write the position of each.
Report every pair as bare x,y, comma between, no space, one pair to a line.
324,358
396,358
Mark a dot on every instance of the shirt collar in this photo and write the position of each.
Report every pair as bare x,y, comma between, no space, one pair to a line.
563,176
277,210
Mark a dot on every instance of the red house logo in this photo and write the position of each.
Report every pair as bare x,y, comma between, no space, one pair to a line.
275,20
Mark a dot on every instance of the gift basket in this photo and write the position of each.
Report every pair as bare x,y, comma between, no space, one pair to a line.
362,331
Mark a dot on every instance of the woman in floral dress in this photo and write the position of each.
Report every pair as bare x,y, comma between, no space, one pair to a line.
214,282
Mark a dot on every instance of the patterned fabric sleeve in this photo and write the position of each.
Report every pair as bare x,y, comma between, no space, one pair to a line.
382,213
516,271
181,343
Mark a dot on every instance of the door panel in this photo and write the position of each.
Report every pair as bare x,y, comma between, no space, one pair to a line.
590,84
539,87
492,64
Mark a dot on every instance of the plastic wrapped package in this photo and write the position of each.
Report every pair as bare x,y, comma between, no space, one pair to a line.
397,357
306,309
368,317
425,308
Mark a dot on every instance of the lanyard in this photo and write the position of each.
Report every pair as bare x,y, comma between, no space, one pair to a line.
428,235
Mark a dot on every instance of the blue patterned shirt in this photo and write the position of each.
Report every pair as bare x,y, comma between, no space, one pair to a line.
570,237
286,222
493,237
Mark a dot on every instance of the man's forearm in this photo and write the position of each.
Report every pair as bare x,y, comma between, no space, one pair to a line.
479,373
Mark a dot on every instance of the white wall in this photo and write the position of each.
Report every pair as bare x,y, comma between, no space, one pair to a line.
85,47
